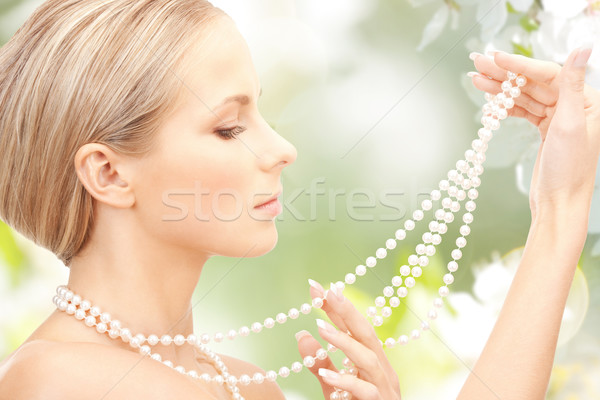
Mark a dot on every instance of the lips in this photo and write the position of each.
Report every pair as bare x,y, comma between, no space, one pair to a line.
270,199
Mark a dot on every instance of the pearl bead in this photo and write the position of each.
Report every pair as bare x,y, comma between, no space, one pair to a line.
448,217
317,302
378,320
455,207
403,340
418,215
509,103
426,204
389,342
335,396
475,181
360,270
126,335
452,191
321,354
380,301
409,282
443,291
420,249
105,317
432,314
205,338
70,309
390,244
413,259
179,340
397,281
416,272
305,308
269,323
62,305
446,202
257,327
294,313
145,350
168,363
465,230
415,334
511,75
515,92
439,213
502,113
284,372
245,380
79,314
427,237
85,305
400,234
452,266
442,228
456,254
296,367
95,311
424,325
140,338
156,357
430,250
402,291
467,218
115,324
258,377
371,311
461,242
461,195
506,86
409,224
114,333
371,262
134,342
191,339
166,340
448,279
388,291
386,311
231,380
281,318
90,321
436,195
433,226
521,81
444,184
436,239
101,327
381,252
394,301
404,270
76,300
193,374
309,361
473,194
438,302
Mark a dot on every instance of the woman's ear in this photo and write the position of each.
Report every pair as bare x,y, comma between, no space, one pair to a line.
105,174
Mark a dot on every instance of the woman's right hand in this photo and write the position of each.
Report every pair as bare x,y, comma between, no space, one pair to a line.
567,113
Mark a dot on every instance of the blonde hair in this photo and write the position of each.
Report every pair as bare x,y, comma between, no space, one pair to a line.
82,71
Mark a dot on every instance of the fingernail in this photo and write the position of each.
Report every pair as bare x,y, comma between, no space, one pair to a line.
472,74
582,57
474,55
324,325
492,53
336,291
317,286
300,334
329,375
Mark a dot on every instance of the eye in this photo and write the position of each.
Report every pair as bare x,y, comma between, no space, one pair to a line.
230,133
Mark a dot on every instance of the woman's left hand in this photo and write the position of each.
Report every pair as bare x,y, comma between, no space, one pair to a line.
376,379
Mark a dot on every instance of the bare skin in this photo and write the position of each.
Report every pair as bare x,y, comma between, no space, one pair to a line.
153,266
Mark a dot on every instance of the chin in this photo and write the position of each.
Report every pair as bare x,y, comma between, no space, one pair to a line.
252,245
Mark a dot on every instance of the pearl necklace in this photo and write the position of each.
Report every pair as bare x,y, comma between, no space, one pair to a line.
458,188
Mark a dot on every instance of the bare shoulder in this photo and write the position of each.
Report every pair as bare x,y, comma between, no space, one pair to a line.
43,369
266,390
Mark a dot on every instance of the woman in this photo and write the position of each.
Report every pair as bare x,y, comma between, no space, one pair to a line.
131,143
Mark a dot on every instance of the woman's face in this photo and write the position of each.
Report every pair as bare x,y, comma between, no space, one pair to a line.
215,160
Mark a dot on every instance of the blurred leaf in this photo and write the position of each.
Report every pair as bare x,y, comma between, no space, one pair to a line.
529,24
12,254
510,8
435,27
520,49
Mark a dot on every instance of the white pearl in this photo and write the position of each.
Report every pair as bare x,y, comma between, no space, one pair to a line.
511,75
442,228
335,396
168,363
462,165
281,318
140,338
95,311
461,194
76,300
485,135
477,144
413,259
461,242
90,321
305,308
126,335
134,342
386,311
231,380
62,305
436,195
101,327
166,340
205,377
321,354
432,314
258,377
294,313
488,96
145,350
193,374
444,184
439,214
415,334
502,113
521,81
423,261
448,217
467,218
309,361
205,338
397,281
70,309
416,272
473,194
446,202
452,174
371,311
284,372
436,239
389,342
418,215
380,301
245,331
156,357
515,92
424,325
245,380
456,254
191,339
433,226
68,295
430,250
475,181
452,266
426,204
257,327
402,291
400,234
114,333
179,340
85,305
448,279
465,230
115,324
381,252
420,249
506,85
404,270
390,244
378,320
371,262
317,302
269,323
438,302
296,367
79,314
509,103
394,301
388,291
360,270
443,291
403,339
452,191
105,317
409,224
409,282
427,237
455,207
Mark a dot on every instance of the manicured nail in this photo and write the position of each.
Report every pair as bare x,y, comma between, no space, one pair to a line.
317,286
336,291
329,375
299,335
492,53
472,74
474,55
324,325
582,57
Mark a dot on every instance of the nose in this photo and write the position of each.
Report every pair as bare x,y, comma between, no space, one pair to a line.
279,152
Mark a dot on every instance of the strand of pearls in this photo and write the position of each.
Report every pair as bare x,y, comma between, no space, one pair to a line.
494,110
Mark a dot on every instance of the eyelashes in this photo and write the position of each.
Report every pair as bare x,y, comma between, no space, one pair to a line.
230,133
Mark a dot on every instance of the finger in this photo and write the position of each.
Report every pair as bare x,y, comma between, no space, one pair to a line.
520,112
316,290
538,90
538,70
308,346
524,100
358,326
364,359
571,83
359,388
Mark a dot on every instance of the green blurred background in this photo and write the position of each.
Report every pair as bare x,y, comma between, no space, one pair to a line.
377,124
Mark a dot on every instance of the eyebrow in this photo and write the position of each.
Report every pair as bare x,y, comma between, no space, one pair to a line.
240,98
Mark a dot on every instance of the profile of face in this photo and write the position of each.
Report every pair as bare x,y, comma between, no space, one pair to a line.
215,158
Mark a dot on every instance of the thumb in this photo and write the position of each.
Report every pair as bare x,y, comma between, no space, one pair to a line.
572,77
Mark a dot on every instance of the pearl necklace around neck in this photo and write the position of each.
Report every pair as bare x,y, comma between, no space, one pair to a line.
458,187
